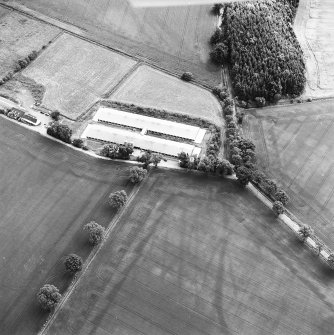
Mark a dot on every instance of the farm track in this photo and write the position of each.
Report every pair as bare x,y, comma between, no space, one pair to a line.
122,81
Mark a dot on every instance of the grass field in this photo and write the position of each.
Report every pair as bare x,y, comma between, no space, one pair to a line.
48,192
19,36
175,38
197,255
314,26
295,146
151,88
76,73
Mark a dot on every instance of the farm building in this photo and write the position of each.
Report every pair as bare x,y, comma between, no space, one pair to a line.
29,119
120,136
151,124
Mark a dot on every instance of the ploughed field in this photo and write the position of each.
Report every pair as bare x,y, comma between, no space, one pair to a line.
175,38
314,27
48,192
199,255
295,146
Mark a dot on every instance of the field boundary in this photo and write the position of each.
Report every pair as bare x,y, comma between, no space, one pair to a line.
290,222
122,80
75,282
85,36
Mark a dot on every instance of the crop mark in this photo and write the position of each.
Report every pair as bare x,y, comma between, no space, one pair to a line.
183,34
311,152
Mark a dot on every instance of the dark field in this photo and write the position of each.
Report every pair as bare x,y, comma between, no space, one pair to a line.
175,38
48,192
195,255
295,146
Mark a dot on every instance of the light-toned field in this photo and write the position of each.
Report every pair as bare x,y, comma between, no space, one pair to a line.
151,88
76,73
175,38
48,192
194,255
295,146
19,36
314,26
172,3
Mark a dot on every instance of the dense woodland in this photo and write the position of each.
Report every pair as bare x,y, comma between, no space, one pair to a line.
258,42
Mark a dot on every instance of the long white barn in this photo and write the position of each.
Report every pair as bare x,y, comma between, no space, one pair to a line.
120,136
114,116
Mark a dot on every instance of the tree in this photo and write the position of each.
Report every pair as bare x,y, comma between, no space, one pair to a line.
304,232
216,8
73,263
156,159
260,101
184,159
236,160
219,53
217,37
60,131
137,174
150,158
206,164
48,297
258,177
109,150
187,76
118,199
244,175
55,115
78,142
96,232
240,117
224,167
282,196
278,208
270,187
125,150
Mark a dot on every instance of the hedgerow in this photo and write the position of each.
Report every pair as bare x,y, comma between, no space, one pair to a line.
258,42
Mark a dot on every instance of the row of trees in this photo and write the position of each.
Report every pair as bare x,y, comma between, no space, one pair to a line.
49,296
258,42
242,155
21,64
